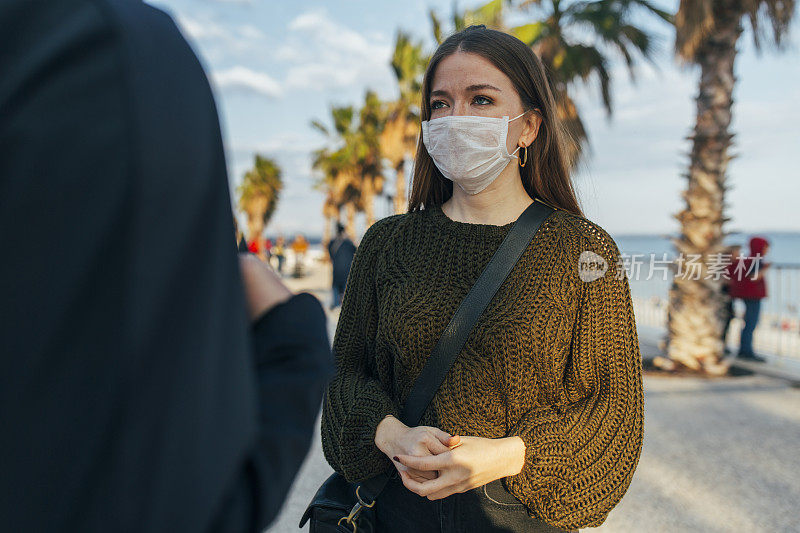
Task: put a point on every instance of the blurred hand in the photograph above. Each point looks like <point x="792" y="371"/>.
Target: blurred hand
<point x="263" y="288"/>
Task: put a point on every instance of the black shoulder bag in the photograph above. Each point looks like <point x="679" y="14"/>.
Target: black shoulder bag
<point x="343" y="507"/>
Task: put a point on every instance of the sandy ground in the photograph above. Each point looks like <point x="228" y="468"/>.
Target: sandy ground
<point x="719" y="455"/>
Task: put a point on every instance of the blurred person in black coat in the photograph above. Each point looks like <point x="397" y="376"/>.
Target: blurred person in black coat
<point x="341" y="251"/>
<point x="152" y="380"/>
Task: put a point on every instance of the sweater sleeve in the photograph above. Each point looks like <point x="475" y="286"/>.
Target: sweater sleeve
<point x="581" y="452"/>
<point x="355" y="401"/>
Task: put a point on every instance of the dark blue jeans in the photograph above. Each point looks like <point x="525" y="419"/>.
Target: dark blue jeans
<point x="752" y="309"/>
<point x="487" y="509"/>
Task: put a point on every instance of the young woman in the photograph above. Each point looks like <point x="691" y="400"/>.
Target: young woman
<point x="538" y="425"/>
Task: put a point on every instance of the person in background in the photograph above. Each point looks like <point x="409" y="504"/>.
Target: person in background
<point x="279" y="251"/>
<point x="299" y="247"/>
<point x="152" y="380"/>
<point x="748" y="284"/>
<point x="728" y="312"/>
<point x="268" y="250"/>
<point x="341" y="251"/>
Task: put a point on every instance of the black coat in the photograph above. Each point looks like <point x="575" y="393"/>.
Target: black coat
<point x="135" y="395"/>
<point x="341" y="251"/>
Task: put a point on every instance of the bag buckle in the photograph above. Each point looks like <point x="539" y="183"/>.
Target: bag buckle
<point x="355" y="511"/>
<point x="362" y="502"/>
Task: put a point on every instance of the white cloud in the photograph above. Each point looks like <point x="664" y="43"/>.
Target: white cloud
<point x="199" y="30"/>
<point x="324" y="54"/>
<point x="320" y="75"/>
<point x="251" y="32"/>
<point x="221" y="39"/>
<point x="246" y="80"/>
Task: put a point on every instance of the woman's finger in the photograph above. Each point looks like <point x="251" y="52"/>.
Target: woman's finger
<point x="419" y="475"/>
<point x="429" y="462"/>
<point x="423" y="475"/>
<point x="425" y="487"/>
<point x="444" y="493"/>
<point x="416" y="475"/>
<point x="435" y="446"/>
<point x="411" y="475"/>
<point x="444" y="437"/>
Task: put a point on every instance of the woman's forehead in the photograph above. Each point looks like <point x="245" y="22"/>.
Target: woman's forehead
<point x="461" y="70"/>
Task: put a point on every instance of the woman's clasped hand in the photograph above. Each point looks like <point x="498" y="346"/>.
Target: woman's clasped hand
<point x="434" y="464"/>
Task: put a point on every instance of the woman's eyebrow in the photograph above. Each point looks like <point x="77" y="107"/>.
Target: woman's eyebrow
<point x="482" y="86"/>
<point x="471" y="88"/>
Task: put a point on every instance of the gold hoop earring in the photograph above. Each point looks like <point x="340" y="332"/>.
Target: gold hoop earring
<point x="524" y="156"/>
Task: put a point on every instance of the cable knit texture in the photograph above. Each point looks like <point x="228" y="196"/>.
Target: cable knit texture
<point x="553" y="359"/>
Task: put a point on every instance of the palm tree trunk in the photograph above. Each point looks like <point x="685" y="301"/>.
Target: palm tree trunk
<point x="255" y="209"/>
<point x="694" y="323"/>
<point x="368" y="194"/>
<point x="351" y="219"/>
<point x="400" y="200"/>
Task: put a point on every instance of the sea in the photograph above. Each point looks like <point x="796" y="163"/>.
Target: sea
<point x="784" y="245"/>
<point x="779" y="329"/>
<point x="783" y="280"/>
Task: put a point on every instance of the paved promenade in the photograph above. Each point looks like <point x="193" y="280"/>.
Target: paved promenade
<point x="719" y="455"/>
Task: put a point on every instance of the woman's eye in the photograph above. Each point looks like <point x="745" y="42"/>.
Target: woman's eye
<point x="480" y="100"/>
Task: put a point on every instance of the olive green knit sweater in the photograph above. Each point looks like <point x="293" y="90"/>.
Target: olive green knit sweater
<point x="553" y="359"/>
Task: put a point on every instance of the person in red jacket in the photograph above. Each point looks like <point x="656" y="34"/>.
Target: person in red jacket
<point x="748" y="284"/>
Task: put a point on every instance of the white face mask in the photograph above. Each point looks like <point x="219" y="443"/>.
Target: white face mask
<point x="467" y="149"/>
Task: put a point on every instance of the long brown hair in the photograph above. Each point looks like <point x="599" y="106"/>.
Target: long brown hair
<point x="546" y="175"/>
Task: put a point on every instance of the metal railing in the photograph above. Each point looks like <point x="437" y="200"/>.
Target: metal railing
<point x="778" y="329"/>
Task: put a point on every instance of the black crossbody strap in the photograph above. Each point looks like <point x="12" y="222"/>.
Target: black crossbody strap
<point x="472" y="307"/>
<point x="458" y="329"/>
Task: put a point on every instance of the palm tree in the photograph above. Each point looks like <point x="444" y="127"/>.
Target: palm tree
<point x="399" y="137"/>
<point x="490" y="14"/>
<point x="336" y="179"/>
<point x="569" y="61"/>
<point x="366" y="145"/>
<point x="258" y="194"/>
<point x="353" y="170"/>
<point x="707" y="33"/>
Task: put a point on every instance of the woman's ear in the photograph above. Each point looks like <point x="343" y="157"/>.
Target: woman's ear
<point x="531" y="130"/>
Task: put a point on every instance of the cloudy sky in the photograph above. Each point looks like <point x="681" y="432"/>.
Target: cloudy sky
<point x="276" y="66"/>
